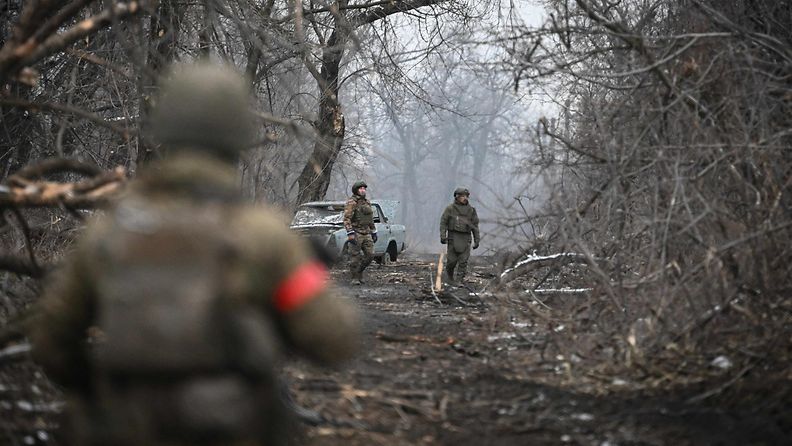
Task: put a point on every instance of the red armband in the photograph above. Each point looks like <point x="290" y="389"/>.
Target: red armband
<point x="302" y="285"/>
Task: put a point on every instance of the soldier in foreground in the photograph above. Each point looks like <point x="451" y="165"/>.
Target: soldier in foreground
<point x="458" y="222"/>
<point x="188" y="294"/>
<point x="361" y="231"/>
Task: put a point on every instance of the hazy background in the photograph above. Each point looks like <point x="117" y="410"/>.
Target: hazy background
<point x="453" y="119"/>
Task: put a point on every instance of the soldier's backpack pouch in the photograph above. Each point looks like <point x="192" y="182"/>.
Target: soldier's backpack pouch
<point x="163" y="306"/>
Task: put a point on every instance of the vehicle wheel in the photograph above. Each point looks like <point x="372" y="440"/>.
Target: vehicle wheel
<point x="392" y="253"/>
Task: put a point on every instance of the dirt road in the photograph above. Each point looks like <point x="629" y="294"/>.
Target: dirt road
<point x="467" y="372"/>
<point x="450" y="374"/>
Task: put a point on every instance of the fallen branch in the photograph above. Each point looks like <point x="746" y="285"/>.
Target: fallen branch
<point x="87" y="194"/>
<point x="21" y="266"/>
<point x="537" y="311"/>
<point x="721" y="388"/>
<point x="705" y="318"/>
<point x="24" y="190"/>
<point x="451" y="294"/>
<point x="533" y="261"/>
<point x="412" y="338"/>
<point x="560" y="290"/>
<point x="15" y="353"/>
<point x="53" y="407"/>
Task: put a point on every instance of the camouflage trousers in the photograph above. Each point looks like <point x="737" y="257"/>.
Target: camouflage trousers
<point x="361" y="253"/>
<point x="457" y="256"/>
<point x="176" y="414"/>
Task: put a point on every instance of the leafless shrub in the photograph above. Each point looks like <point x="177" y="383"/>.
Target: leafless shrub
<point x="671" y="155"/>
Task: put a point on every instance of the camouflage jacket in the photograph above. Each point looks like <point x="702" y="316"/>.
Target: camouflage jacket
<point x="359" y="216"/>
<point x="273" y="272"/>
<point x="459" y="218"/>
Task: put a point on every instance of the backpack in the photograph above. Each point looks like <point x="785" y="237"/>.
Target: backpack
<point x="171" y="296"/>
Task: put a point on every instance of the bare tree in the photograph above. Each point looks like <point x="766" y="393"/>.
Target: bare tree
<point x="78" y="77"/>
<point x="330" y="125"/>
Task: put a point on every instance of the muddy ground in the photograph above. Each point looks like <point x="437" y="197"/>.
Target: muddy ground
<point x="457" y="370"/>
<point x="478" y="374"/>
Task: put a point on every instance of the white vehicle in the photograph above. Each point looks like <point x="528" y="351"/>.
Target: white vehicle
<point x="324" y="221"/>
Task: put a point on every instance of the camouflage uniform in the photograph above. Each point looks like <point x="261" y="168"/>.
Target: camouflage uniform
<point x="457" y="224"/>
<point x="187" y="296"/>
<point x="359" y="224"/>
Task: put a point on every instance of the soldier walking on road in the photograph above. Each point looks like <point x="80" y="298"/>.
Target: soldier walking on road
<point x="361" y="231"/>
<point x="187" y="294"/>
<point x="458" y="222"/>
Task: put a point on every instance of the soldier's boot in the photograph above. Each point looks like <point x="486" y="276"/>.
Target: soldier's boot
<point x="356" y="276"/>
<point x="459" y="277"/>
<point x="449" y="277"/>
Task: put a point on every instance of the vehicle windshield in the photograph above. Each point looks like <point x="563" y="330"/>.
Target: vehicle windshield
<point x="311" y="215"/>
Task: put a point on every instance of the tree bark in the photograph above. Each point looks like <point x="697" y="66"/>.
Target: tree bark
<point x="315" y="176"/>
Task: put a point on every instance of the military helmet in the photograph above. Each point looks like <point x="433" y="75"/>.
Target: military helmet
<point x="358" y="185"/>
<point x="203" y="107"/>
<point x="461" y="191"/>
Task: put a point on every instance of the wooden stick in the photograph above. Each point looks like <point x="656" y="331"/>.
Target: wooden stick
<point x="439" y="278"/>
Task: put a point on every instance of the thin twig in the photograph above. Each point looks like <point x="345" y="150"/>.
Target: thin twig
<point x="721" y="388"/>
<point x="26" y="233"/>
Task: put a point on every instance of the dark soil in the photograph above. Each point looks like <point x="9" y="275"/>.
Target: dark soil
<point x="461" y="371"/>
<point x="454" y="374"/>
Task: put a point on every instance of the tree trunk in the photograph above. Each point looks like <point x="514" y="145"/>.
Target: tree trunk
<point x="481" y="148"/>
<point x="315" y="176"/>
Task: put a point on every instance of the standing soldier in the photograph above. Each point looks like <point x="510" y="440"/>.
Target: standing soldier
<point x="186" y="293"/>
<point x="361" y="231"/>
<point x="458" y="221"/>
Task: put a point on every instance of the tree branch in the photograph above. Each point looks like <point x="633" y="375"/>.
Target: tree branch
<point x="60" y="108"/>
<point x="392" y="7"/>
<point x="52" y="166"/>
<point x="25" y="51"/>
<point x="86" y="194"/>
